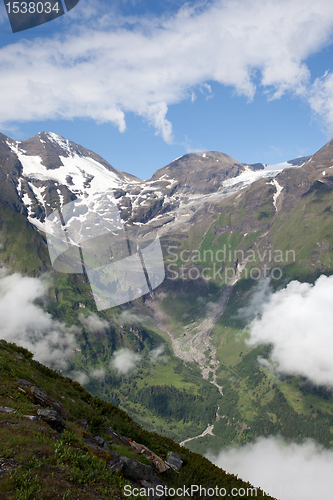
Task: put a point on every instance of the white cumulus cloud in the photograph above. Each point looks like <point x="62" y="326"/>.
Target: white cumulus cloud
<point x="321" y="98"/>
<point x="28" y="325"/>
<point x="298" y="321"/>
<point x="285" y="471"/>
<point x="144" y="65"/>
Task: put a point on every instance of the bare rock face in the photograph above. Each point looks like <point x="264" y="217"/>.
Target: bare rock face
<point x="51" y="148"/>
<point x="157" y="462"/>
<point x="199" y="173"/>
<point x="117" y="437"/>
<point x="140" y="472"/>
<point x="25" y="383"/>
<point x="116" y="464"/>
<point x="96" y="443"/>
<point x="47" y="172"/>
<point x="30" y="169"/>
<point x="53" y="418"/>
<point x="315" y="175"/>
<point x="10" y="171"/>
<point x="7" y="465"/>
<point x="42" y="398"/>
<point x="174" y="460"/>
<point x="130" y="468"/>
<point x="6" y="409"/>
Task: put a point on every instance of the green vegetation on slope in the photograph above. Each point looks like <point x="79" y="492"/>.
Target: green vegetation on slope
<point x="21" y="247"/>
<point x="48" y="464"/>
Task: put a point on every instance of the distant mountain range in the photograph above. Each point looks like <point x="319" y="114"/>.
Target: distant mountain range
<point x="47" y="171"/>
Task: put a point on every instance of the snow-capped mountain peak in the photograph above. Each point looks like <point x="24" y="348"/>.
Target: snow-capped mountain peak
<point x="53" y="171"/>
<point x="42" y="174"/>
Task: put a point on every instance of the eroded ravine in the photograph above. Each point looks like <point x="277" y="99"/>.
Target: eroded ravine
<point x="195" y="341"/>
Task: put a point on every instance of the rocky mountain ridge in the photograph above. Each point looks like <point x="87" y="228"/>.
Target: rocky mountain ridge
<point x="43" y="173"/>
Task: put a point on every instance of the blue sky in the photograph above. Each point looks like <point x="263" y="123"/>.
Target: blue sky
<point x="143" y="82"/>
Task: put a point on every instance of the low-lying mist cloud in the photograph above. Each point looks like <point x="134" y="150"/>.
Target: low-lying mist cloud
<point x="84" y="377"/>
<point x="298" y="321"/>
<point x="93" y="323"/>
<point x="285" y="471"/>
<point x="27" y="325"/>
<point x="255" y="306"/>
<point x="124" y="361"/>
<point x="156" y="355"/>
<point x="79" y="376"/>
<point x="97" y="374"/>
<point x="130" y="318"/>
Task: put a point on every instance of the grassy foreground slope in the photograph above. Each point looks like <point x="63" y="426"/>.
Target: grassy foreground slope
<point x="39" y="462"/>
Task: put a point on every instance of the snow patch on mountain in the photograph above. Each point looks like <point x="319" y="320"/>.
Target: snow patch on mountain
<point x="81" y="175"/>
<point x="27" y="202"/>
<point x="14" y="146"/>
<point x="87" y="175"/>
<point x="57" y="139"/>
<point x="37" y="223"/>
<point x="102" y="178"/>
<point x="279" y="166"/>
<point x="278" y="191"/>
<point x="19" y="187"/>
<point x="38" y="192"/>
<point x="248" y="176"/>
